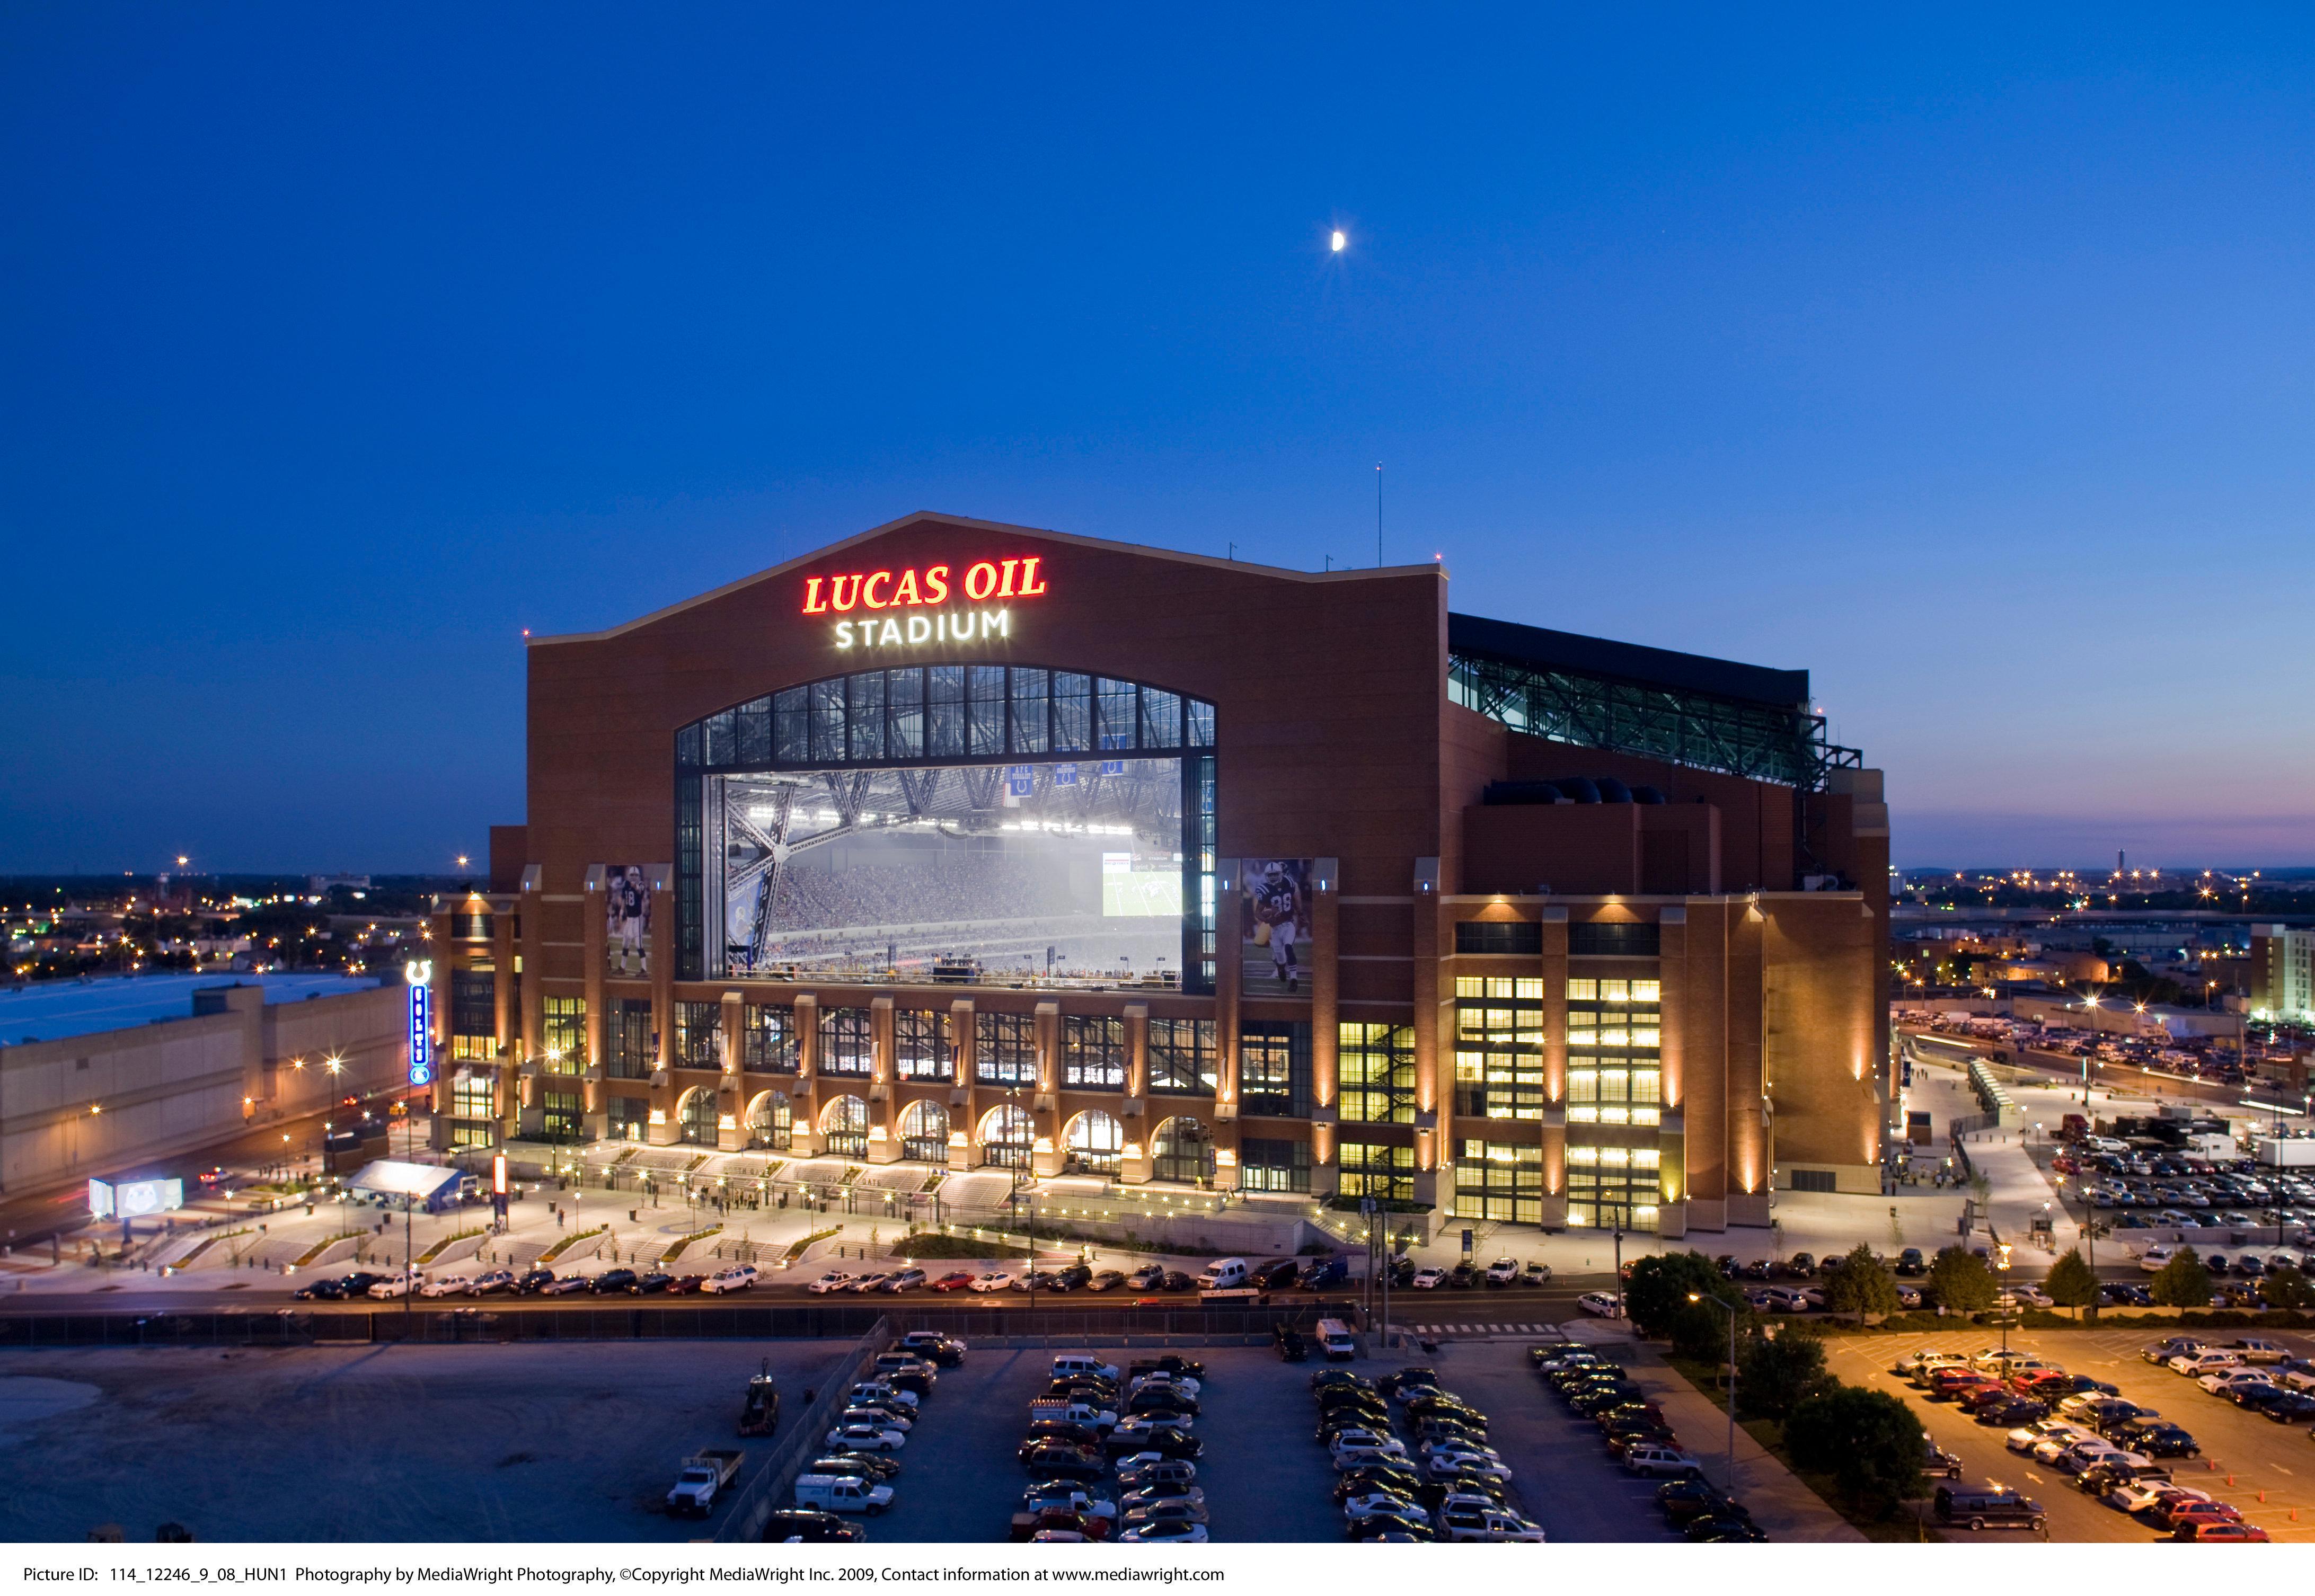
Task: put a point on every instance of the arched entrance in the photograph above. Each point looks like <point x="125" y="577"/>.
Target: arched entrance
<point x="844" y="1128"/>
<point x="771" y="1122"/>
<point x="924" y="1131"/>
<point x="694" y="1116"/>
<point x="1096" y="1143"/>
<point x="1007" y="1136"/>
<point x="1183" y="1150"/>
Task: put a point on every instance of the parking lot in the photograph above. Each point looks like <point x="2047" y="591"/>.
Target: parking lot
<point x="401" y="1443"/>
<point x="1265" y="1478"/>
<point x="2267" y="1470"/>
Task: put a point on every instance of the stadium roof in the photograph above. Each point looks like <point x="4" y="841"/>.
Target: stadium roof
<point x="50" y="1010"/>
<point x="1632" y="662"/>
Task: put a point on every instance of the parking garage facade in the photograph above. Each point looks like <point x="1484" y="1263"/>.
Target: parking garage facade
<point x="973" y="846"/>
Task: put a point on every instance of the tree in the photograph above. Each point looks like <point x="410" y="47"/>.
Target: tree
<point x="2288" y="1287"/>
<point x="1868" y="1441"/>
<point x="2183" y="1283"/>
<point x="1962" y="1281"/>
<point x="1858" y="1285"/>
<point x="2070" y="1283"/>
<point x="1774" y="1375"/>
<point x="1657" y="1297"/>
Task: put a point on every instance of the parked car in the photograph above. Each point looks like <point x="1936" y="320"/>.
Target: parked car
<point x="835" y="1280"/>
<point x="994" y="1279"/>
<point x="614" y="1280"/>
<point x="1600" y="1304"/>
<point x="954" y="1281"/>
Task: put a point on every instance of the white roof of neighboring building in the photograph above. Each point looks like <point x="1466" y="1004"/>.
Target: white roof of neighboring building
<point x="392" y="1177"/>
<point x="50" y="1010"/>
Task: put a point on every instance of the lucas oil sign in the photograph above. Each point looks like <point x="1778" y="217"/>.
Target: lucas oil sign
<point x="917" y="606"/>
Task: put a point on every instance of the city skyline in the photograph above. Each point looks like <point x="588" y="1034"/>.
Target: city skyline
<point x="1964" y="377"/>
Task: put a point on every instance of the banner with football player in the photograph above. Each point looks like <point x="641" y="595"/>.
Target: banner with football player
<point x="626" y="916"/>
<point x="1274" y="919"/>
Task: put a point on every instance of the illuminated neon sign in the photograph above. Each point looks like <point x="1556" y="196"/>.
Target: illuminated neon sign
<point x="419" y="973"/>
<point x="922" y="590"/>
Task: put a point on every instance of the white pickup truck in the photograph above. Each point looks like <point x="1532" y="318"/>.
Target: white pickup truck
<point x="702" y="1476"/>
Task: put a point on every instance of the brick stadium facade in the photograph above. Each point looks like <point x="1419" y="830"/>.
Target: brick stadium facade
<point x="1515" y="924"/>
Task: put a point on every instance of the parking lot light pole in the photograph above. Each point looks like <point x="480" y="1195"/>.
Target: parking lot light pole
<point x="1730" y="1310"/>
<point x="2008" y="1303"/>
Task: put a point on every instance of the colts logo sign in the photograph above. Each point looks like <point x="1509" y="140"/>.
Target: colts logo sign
<point x="924" y="591"/>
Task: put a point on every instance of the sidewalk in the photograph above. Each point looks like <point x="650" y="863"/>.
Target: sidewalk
<point x="1778" y="1502"/>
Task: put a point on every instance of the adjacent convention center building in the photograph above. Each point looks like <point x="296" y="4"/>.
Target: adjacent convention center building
<point x="976" y="845"/>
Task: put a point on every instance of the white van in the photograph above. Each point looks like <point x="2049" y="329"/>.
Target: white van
<point x="1223" y="1274"/>
<point x="1335" y="1341"/>
<point x="2195" y="1365"/>
<point x="842" y="1493"/>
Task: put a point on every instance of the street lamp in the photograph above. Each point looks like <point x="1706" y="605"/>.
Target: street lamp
<point x="2006" y="1302"/>
<point x="1730" y="1310"/>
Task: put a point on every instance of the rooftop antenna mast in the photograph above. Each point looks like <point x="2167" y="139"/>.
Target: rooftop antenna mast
<point x="1378" y="515"/>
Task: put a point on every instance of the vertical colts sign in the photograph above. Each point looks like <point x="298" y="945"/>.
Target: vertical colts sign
<point x="420" y="975"/>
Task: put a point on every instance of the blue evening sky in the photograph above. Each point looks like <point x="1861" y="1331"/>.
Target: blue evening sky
<point x="1962" y="357"/>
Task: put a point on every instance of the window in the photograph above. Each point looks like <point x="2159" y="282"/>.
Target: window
<point x="1495" y="1180"/>
<point x="1007" y="1136"/>
<point x="847" y="1045"/>
<point x="844" y="1123"/>
<point x="1498" y="937"/>
<point x="944" y="710"/>
<point x="627" y="1044"/>
<point x="1072" y="713"/>
<point x="1183" y="1150"/>
<point x="1372" y="1170"/>
<point x="924" y="1131"/>
<point x="695" y="1118"/>
<point x="1271" y="1166"/>
<point x="1613" y="1185"/>
<point x="771" y="1040"/>
<point x="1161" y="719"/>
<point x="1181" y="1056"/>
<point x="1092" y="1052"/>
<point x="1377" y="1065"/>
<point x="1005" y="1049"/>
<point x="919" y="1045"/>
<point x="985" y="708"/>
<point x="1095" y="1144"/>
<point x="1499" y="1047"/>
<point x="474" y="1112"/>
<point x="1611" y="940"/>
<point x="698" y="1035"/>
<point x="904" y="710"/>
<point x="474" y="1007"/>
<point x="564" y="1034"/>
<point x="771" y="1122"/>
<point x="563" y="1115"/>
<point x="628" y="1119"/>
<point x="1814" y="1180"/>
<point x="1614" y="1071"/>
<point x="1273" y="1068"/>
<point x="1031" y="734"/>
<point x="1113" y="709"/>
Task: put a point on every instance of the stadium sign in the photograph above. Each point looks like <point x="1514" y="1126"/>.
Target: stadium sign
<point x="955" y="626"/>
<point x="419" y="975"/>
<point x="922" y="590"/>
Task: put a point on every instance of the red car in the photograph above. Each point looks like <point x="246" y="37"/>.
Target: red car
<point x="952" y="1282"/>
<point x="2201" y="1513"/>
<point x="2218" y="1529"/>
